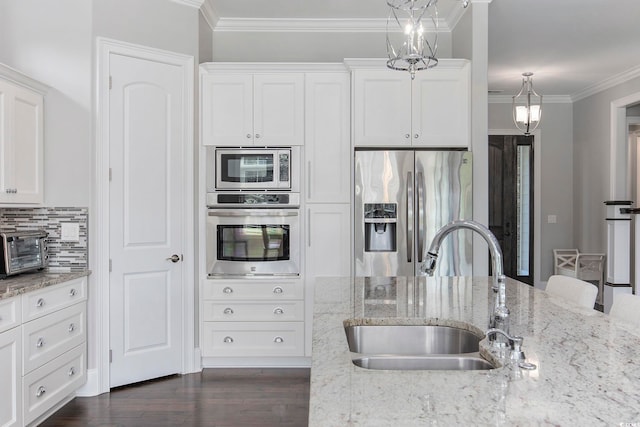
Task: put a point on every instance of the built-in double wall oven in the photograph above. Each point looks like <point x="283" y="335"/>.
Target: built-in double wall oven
<point x="253" y="212"/>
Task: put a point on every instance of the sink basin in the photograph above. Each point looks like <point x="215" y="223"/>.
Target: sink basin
<point x="410" y="339"/>
<point x="437" y="363"/>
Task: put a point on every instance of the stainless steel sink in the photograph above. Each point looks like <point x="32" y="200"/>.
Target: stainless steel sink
<point x="411" y="340"/>
<point x="437" y="363"/>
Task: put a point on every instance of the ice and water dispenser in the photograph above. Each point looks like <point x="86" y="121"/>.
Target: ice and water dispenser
<point x="380" y="226"/>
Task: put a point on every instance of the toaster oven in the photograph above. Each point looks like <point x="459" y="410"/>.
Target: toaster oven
<point x="22" y="251"/>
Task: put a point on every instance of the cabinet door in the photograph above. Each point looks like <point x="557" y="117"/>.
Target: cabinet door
<point x="327" y="144"/>
<point x="21" y="145"/>
<point x="381" y="108"/>
<point x="11" y="378"/>
<point x="278" y="115"/>
<point x="227" y="109"/>
<point x="328" y="240"/>
<point x="441" y="106"/>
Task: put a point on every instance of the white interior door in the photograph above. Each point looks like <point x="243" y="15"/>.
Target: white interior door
<point x="146" y="107"/>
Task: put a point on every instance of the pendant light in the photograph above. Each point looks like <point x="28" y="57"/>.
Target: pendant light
<point x="410" y="46"/>
<point x="527" y="106"/>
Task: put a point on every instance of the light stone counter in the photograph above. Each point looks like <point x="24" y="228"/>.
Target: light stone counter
<point x="27" y="282"/>
<point x="588" y="364"/>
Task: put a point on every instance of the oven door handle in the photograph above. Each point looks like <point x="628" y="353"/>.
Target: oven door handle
<point x="256" y="212"/>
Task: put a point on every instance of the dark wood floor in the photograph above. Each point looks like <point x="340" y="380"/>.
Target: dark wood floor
<point x="214" y="397"/>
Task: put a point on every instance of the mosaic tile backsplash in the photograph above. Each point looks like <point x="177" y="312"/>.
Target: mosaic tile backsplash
<point x="65" y="253"/>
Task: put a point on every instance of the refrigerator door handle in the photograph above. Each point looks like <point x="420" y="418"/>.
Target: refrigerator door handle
<point x="409" y="216"/>
<point x="420" y="216"/>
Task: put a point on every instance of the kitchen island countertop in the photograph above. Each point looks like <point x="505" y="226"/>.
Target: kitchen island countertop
<point x="588" y="365"/>
<point x="28" y="282"/>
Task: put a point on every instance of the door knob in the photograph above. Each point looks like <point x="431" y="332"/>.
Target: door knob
<point x="175" y="258"/>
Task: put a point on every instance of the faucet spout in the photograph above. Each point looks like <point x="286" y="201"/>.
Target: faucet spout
<point x="499" y="316"/>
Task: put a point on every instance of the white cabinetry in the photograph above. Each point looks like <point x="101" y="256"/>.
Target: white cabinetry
<point x="252" y="318"/>
<point x="242" y="108"/>
<point x="43" y="355"/>
<point x="21" y="138"/>
<point x="433" y="110"/>
<point x="10" y="363"/>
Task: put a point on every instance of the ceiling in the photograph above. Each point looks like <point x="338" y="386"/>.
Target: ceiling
<point x="573" y="47"/>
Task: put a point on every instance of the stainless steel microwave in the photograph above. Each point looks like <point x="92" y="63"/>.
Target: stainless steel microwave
<point x="253" y="169"/>
<point x="23" y="251"/>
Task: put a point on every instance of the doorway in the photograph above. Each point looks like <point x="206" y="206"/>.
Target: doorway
<point x="511" y="202"/>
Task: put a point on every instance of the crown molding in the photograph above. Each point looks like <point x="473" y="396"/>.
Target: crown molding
<point x="209" y="14"/>
<point x="282" y="67"/>
<point x="193" y="3"/>
<point x="303" y="25"/>
<point x="607" y="83"/>
<point x="19" y="78"/>
<point x="381" y="63"/>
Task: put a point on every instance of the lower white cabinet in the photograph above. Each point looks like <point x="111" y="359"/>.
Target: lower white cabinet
<point x="252" y="318"/>
<point x="11" y="377"/>
<point x="43" y="354"/>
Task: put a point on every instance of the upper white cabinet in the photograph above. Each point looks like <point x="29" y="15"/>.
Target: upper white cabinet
<point x="327" y="145"/>
<point x="21" y="138"/>
<point x="244" y="108"/>
<point x="433" y="110"/>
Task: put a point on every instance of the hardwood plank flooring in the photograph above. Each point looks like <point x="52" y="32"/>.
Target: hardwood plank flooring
<point x="214" y="397"/>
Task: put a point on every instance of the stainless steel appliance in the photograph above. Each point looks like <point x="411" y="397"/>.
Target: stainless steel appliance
<point x="253" y="234"/>
<point x="262" y="168"/>
<point x="401" y="199"/>
<point x="22" y="251"/>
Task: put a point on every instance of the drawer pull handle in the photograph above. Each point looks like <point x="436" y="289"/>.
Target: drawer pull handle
<point x="41" y="391"/>
<point x="227" y="290"/>
<point x="278" y="311"/>
<point x="72" y="371"/>
<point x="228" y="310"/>
<point x="40" y="343"/>
<point x="40" y="303"/>
<point x="278" y="290"/>
<point x="72" y="292"/>
<point x="228" y="340"/>
<point x="72" y="327"/>
<point x="278" y="340"/>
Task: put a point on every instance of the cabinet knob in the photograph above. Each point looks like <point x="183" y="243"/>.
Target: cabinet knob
<point x="41" y="391"/>
<point x="227" y="290"/>
<point x="228" y="340"/>
<point x="278" y="340"/>
<point x="72" y="292"/>
<point x="278" y="290"/>
<point x="406" y="135"/>
<point x="278" y="310"/>
<point x="228" y="310"/>
<point x="40" y="343"/>
<point x="248" y="136"/>
<point x="72" y="371"/>
<point x="416" y="136"/>
<point x="72" y="327"/>
<point x="40" y="303"/>
<point x="257" y="135"/>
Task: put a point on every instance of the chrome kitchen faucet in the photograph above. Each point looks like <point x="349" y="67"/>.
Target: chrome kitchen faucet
<point x="499" y="314"/>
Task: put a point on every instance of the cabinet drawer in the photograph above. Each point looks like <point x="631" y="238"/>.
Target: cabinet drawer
<point x="10" y="313"/>
<point x="38" y="303"/>
<point x="46" y="386"/>
<point x="280" y="311"/>
<point x="223" y="339"/>
<point x="271" y="290"/>
<point x="48" y="337"/>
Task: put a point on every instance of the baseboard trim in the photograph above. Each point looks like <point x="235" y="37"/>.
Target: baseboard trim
<point x="256" y="362"/>
<point x="91" y="387"/>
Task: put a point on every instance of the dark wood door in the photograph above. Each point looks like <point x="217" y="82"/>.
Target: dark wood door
<point x="511" y="202"/>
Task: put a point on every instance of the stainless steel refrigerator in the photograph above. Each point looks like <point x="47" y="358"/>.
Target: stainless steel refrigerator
<point x="402" y="197"/>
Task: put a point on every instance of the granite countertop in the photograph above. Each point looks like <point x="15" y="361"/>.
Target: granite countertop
<point x="588" y="365"/>
<point x="27" y="282"/>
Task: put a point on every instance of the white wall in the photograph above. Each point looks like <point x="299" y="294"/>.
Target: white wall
<point x="592" y="139"/>
<point x="51" y="42"/>
<point x="556" y="180"/>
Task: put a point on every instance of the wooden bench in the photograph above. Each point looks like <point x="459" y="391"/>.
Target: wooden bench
<point x="583" y="266"/>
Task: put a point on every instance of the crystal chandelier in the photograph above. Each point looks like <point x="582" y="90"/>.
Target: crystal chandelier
<point x="527" y="106"/>
<point x="409" y="46"/>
